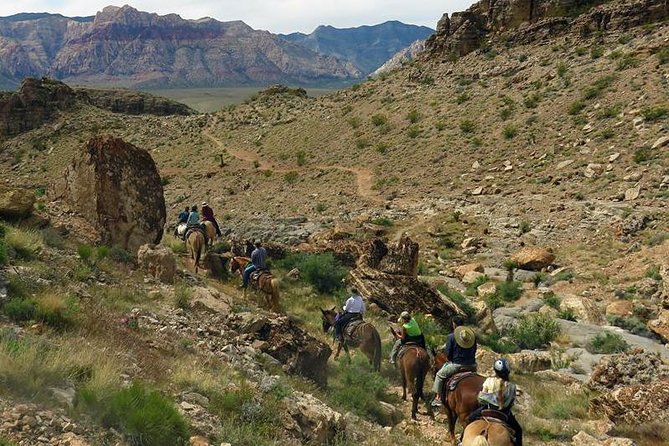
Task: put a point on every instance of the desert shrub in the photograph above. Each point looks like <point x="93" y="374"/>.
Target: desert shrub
<point x="533" y="331"/>
<point x="413" y="131"/>
<point x="627" y="61"/>
<point x="551" y="300"/>
<point x="142" y="415"/>
<point x="598" y="87"/>
<point x="652" y="114"/>
<point x="632" y="324"/>
<point x="383" y="221"/>
<point x="360" y="391"/>
<point x="182" y="296"/>
<point x="576" y="107"/>
<point x="322" y="271"/>
<point x="532" y="101"/>
<point x="101" y="252"/>
<point x="56" y="311"/>
<point x="609" y="112"/>
<point x="19" y="310"/>
<point x="467" y="126"/>
<point x="362" y="143"/>
<point x="25" y="243"/>
<point x="291" y="177"/>
<point x="510" y="131"/>
<point x="320" y="207"/>
<point x="120" y="255"/>
<point x="564" y="276"/>
<point x="657" y="239"/>
<point x="413" y="116"/>
<point x="382" y="148"/>
<point x="559" y="405"/>
<point x="462" y="97"/>
<point x="567" y="314"/>
<point x="497" y="343"/>
<point x="85" y="252"/>
<point x="608" y="343"/>
<point x="301" y="157"/>
<point x="435" y="334"/>
<point x="379" y="119"/>
<point x="509" y="291"/>
<point x="653" y="272"/>
<point x="643" y="155"/>
<point x="461" y="301"/>
<point x="440" y="125"/>
<point x="175" y="244"/>
<point x="354" y="122"/>
<point x="663" y="55"/>
<point x="561" y="69"/>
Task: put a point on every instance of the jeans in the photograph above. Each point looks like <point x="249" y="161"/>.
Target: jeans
<point x="247" y="274"/>
<point x="418" y="340"/>
<point x="447" y="370"/>
<point x="343" y="320"/>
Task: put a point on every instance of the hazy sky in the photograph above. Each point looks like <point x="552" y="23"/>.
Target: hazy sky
<point x="279" y="16"/>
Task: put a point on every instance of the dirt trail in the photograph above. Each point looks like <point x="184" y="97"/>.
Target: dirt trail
<point x="433" y="430"/>
<point x="364" y="177"/>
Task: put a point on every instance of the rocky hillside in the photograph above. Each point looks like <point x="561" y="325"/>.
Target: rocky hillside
<point x="127" y="47"/>
<point x="522" y="184"/>
<point x="367" y="47"/>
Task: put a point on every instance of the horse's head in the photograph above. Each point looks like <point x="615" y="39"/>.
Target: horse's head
<point x="329" y="318"/>
<point x="235" y="265"/>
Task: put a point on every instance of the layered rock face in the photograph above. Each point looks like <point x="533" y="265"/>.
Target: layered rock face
<point x="116" y="187"/>
<point x="386" y="276"/>
<point x="35" y="103"/>
<point x="127" y="47"/>
<point x="466" y="31"/>
<point x="132" y="102"/>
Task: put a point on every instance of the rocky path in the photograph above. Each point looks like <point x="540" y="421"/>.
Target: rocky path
<point x="364" y="177"/>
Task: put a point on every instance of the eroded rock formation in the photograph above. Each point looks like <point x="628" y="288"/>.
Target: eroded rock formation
<point x="386" y="275"/>
<point x="116" y="187"/>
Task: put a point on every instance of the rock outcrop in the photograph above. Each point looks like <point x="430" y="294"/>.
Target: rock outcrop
<point x="526" y="21"/>
<point x="386" y="276"/>
<point x="635" y="404"/>
<point x="158" y="261"/>
<point x="34" y="104"/>
<point x="625" y="369"/>
<point x="312" y="420"/>
<point x="132" y="102"/>
<point x="16" y="203"/>
<point x="660" y="326"/>
<point x="116" y="187"/>
<point x="400" y="58"/>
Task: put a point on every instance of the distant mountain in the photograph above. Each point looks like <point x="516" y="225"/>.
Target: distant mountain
<point x="127" y="47"/>
<point x="367" y="47"/>
<point x="401" y="57"/>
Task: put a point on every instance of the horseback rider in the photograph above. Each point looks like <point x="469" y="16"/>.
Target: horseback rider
<point x="193" y="217"/>
<point x="460" y="351"/>
<point x="354" y="308"/>
<point x="258" y="263"/>
<point x="499" y="394"/>
<point x="183" y="216"/>
<point x="208" y="215"/>
<point x="409" y="332"/>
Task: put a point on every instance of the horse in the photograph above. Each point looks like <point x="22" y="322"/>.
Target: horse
<point x="196" y="246"/>
<point x="210" y="230"/>
<point x="462" y="401"/>
<point x="486" y="433"/>
<point x="414" y="365"/>
<point x="367" y="338"/>
<point x="267" y="283"/>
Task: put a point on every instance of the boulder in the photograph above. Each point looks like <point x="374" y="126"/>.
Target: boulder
<point x="16" y="203"/>
<point x="298" y="351"/>
<point x="462" y="270"/>
<point x="583" y="307"/>
<point x="212" y="299"/>
<point x="471" y="277"/>
<point x="620" y="308"/>
<point x="487" y="289"/>
<point x="395" y="292"/>
<point x="660" y="326"/>
<point x="311" y="420"/>
<point x="636" y="367"/>
<point x="530" y="361"/>
<point x="198" y="441"/>
<point x="216" y="264"/>
<point x="533" y="258"/>
<point x="584" y="439"/>
<point x="660" y="142"/>
<point x="632" y="193"/>
<point x="158" y="261"/>
<point x="634" y="405"/>
<point x="116" y="187"/>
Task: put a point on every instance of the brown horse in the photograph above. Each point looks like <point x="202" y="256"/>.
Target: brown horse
<point x="486" y="433"/>
<point x="414" y="365"/>
<point x="462" y="401"/>
<point x="267" y="283"/>
<point x="365" y="335"/>
<point x="210" y="230"/>
<point x="196" y="246"/>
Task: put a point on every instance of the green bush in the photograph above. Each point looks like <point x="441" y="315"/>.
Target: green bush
<point x="413" y="116"/>
<point x="435" y="334"/>
<point x="663" y="55"/>
<point x="608" y="343"/>
<point x="461" y="301"/>
<point x="413" y="131"/>
<point x="653" y="272"/>
<point x="379" y="119"/>
<point x="56" y="311"/>
<point x="632" y="324"/>
<point x="26" y="244"/>
<point x="472" y="287"/>
<point x="101" y="252"/>
<point x="291" y="177"/>
<point x="509" y="291"/>
<point x="182" y="296"/>
<point x="533" y="331"/>
<point x="462" y="97"/>
<point x="19" y="310"/>
<point x="510" y="131"/>
<point x="322" y="271"/>
<point x="383" y="221"/>
<point x="551" y="300"/>
<point x="143" y="416"/>
<point x="4" y="256"/>
<point x="642" y="155"/>
<point x="652" y="114"/>
<point x="567" y="314"/>
<point x="576" y="107"/>
<point x="301" y="157"/>
<point x="120" y="255"/>
<point x="467" y="126"/>
<point x="564" y="276"/>
<point x="85" y="252"/>
<point x="497" y="343"/>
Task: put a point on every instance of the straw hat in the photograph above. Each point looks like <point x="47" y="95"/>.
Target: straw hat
<point x="464" y="337"/>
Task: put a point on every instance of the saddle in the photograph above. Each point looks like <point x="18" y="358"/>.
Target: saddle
<point x="464" y="372"/>
<point x="496" y="416"/>
<point x="408" y="346"/>
<point x="350" y="330"/>
<point x="191" y="229"/>
<point x="257" y="274"/>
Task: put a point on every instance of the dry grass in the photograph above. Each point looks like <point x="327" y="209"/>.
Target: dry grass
<point x="25" y="243"/>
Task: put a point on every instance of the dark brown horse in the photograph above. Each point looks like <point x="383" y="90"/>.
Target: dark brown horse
<point x="364" y="337"/>
<point x="414" y="365"/>
<point x="266" y="283"/>
<point x="462" y="401"/>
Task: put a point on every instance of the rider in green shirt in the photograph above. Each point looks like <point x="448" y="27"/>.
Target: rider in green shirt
<point x="409" y="332"/>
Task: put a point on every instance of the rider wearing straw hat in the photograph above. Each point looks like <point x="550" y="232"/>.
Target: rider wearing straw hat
<point x="460" y="350"/>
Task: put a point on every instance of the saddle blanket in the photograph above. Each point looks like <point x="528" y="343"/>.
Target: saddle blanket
<point x="351" y="327"/>
<point x="454" y="380"/>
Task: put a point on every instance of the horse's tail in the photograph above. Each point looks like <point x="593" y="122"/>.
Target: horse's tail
<point x="274" y="284"/>
<point x="424" y="360"/>
<point x="480" y="441"/>
<point x="376" y="339"/>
